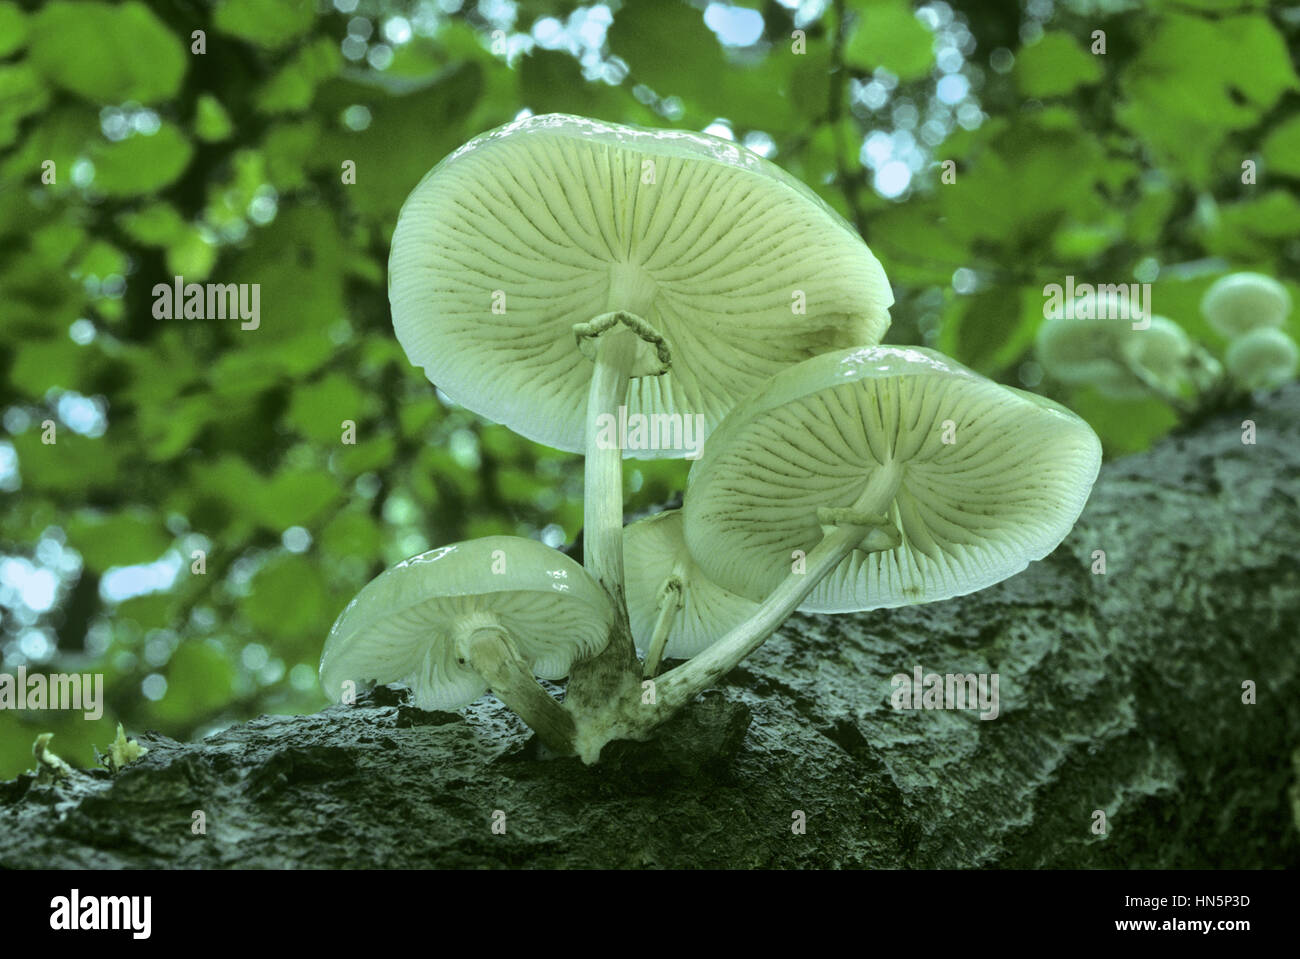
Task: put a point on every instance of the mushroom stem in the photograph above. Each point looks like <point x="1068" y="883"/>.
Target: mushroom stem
<point x="849" y="528"/>
<point x="1153" y="383"/>
<point x="670" y="601"/>
<point x="619" y="337"/>
<point x="493" y="656"/>
<point x="1206" y="372"/>
<point x="602" y="535"/>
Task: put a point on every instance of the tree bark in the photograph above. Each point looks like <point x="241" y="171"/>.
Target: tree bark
<point x="1119" y="692"/>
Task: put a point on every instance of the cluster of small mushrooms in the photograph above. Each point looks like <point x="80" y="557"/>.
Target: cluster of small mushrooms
<point x="558" y="268"/>
<point x="1128" y="360"/>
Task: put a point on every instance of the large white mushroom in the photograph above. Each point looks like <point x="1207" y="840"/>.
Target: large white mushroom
<point x="877" y="477"/>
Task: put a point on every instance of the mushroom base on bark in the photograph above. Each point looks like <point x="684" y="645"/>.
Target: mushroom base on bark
<point x="644" y="706"/>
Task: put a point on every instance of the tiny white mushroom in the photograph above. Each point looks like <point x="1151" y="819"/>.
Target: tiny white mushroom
<point x="1240" y="302"/>
<point x="1262" y="358"/>
<point x="1121" y="362"/>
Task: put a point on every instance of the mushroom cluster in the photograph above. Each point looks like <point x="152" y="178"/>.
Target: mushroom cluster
<point x="1125" y="360"/>
<point x="560" y="274"/>
<point x="1250" y="309"/>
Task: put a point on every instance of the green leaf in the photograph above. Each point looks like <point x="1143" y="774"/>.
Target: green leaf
<point x="43" y="364"/>
<point x="21" y="94"/>
<point x="141" y="165"/>
<point x="294" y="497"/>
<point x="1281" y="149"/>
<point x="1254" y="229"/>
<point x="266" y="23"/>
<point x="407" y="136"/>
<point x="191" y="255"/>
<point x="552" y="82"/>
<point x="107" y="53"/>
<point x="353" y="533"/>
<point x="317" y="410"/>
<point x="288" y="598"/>
<point x="294" y="86"/>
<point x="668" y="48"/>
<point x="212" y="123"/>
<point x="992" y="329"/>
<point x="1022" y="188"/>
<point x="287" y="149"/>
<point x="1195" y="80"/>
<point x="168" y="430"/>
<point x="156" y="224"/>
<point x="1125" y="426"/>
<point x="1054" y="66"/>
<point x="200" y="680"/>
<point x="150" y="611"/>
<point x="373" y="454"/>
<point x="76" y="465"/>
<point x="133" y="535"/>
<point x="887" y="34"/>
<point x="13" y="27"/>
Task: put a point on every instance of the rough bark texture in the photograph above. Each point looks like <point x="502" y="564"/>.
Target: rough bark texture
<point x="1120" y="692"/>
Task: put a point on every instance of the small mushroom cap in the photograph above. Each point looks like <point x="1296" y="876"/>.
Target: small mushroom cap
<point x="556" y="220"/>
<point x="1262" y="358"/>
<point x="1240" y="302"/>
<point x="970" y="513"/>
<point x="402" y="626"/>
<point x="1086" y="352"/>
<point x="654" y="549"/>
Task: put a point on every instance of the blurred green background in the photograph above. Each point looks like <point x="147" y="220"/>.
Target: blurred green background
<point x="175" y="436"/>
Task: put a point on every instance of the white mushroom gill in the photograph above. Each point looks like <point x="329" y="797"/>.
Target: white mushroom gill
<point x="977" y="479"/>
<point x="553" y="221"/>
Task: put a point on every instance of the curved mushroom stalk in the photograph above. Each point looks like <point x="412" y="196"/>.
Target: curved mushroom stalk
<point x="675" y="610"/>
<point x="849" y="530"/>
<point x="671" y="600"/>
<point x="1206" y="372"/>
<point x="1153" y="383"/>
<point x="622" y="346"/>
<point x="488" y="650"/>
<point x="951" y="483"/>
